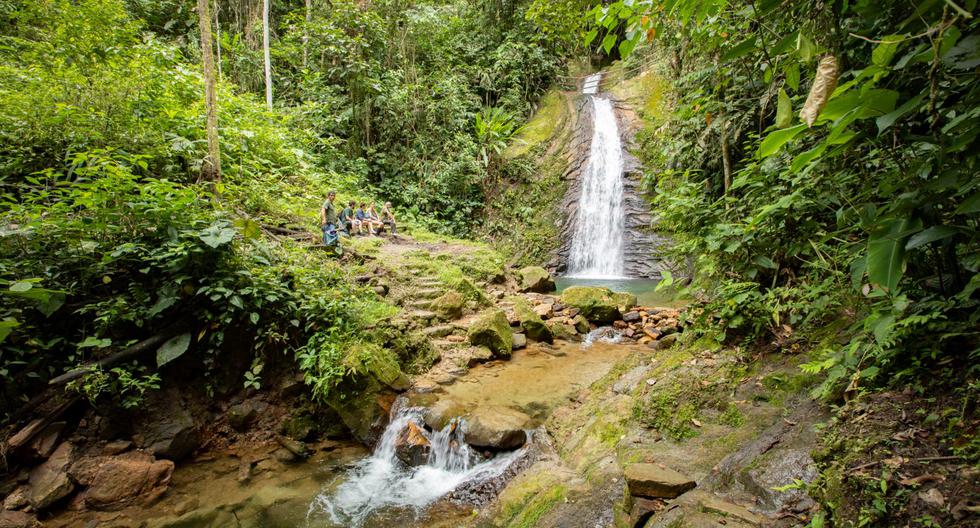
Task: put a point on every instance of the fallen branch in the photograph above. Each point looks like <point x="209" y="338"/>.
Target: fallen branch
<point x="923" y="459"/>
<point x="145" y="345"/>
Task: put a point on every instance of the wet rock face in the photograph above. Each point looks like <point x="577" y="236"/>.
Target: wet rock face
<point x="439" y="414"/>
<point x="49" y="482"/>
<point x="492" y="330"/>
<point x="111" y="481"/>
<point x="17" y="519"/>
<point x="655" y="482"/>
<point x="535" y="279"/>
<point x="496" y="428"/>
<point x="412" y="447"/>
<point x="781" y="467"/>
<point x="170" y="431"/>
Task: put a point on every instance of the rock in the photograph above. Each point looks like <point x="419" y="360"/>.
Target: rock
<point x="581" y="324"/>
<point x="449" y="306"/>
<point x="411" y="446"/>
<point x="534" y="326"/>
<point x="598" y="305"/>
<point x="438" y="331"/>
<point x="300" y="427"/>
<point x="520" y="341"/>
<point x="112" y="481"/>
<point x="726" y="509"/>
<point x="170" y="431"/>
<point x="244" y="470"/>
<point x="642" y="509"/>
<point x="242" y="415"/>
<point x="655" y="482"/>
<point x="43" y="443"/>
<point x="18" y="499"/>
<point x="50" y="482"/>
<point x="17" y="519"/>
<point x="631" y="379"/>
<point x="535" y="279"/>
<point x="294" y="446"/>
<point x="496" y="427"/>
<point x="443" y="412"/>
<point x="562" y="330"/>
<point x="544" y="310"/>
<point x="780" y="467"/>
<point x="115" y="447"/>
<point x="284" y="455"/>
<point x="492" y="330"/>
<point x="631" y="317"/>
<point x="620" y="325"/>
<point x="476" y="355"/>
<point x="292" y="386"/>
<point x="381" y="289"/>
<point x="665" y="342"/>
<point x="933" y="497"/>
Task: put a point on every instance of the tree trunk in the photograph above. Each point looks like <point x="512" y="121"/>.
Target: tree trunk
<point x="726" y="158"/>
<point x="265" y="50"/>
<point x="306" y="31"/>
<point x="217" y="34"/>
<point x="211" y="168"/>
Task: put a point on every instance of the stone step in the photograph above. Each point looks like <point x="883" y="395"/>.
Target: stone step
<point x="429" y="293"/>
<point x="419" y="304"/>
<point x="439" y="331"/>
<point x="420" y="315"/>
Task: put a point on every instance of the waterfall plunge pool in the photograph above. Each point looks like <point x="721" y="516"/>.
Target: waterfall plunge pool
<point x="644" y="289"/>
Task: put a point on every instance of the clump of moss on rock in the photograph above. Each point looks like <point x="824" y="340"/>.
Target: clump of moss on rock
<point x="492" y="330"/>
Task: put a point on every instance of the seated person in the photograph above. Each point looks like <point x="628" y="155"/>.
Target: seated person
<point x="388" y="218"/>
<point x="375" y="220"/>
<point x="347" y="219"/>
<point x="361" y="221"/>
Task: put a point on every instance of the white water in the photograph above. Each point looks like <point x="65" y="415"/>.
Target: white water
<point x="597" y="242"/>
<point x="383" y="481"/>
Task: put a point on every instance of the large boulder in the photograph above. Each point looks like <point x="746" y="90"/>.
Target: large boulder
<point x="170" y="431"/>
<point x="535" y="279"/>
<point x="496" y="428"/>
<point x="775" y="470"/>
<point x="50" y="482"/>
<point x="443" y="412"/>
<point x="449" y="306"/>
<point x="492" y="330"/>
<point x="655" y="482"/>
<point x="112" y="481"/>
<point x="598" y="305"/>
<point x="534" y="325"/>
<point x="411" y="446"/>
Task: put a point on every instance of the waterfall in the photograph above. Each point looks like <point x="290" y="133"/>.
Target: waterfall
<point x="596" y="250"/>
<point x="382" y="481"/>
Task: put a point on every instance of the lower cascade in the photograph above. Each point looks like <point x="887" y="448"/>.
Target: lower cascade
<point x="383" y="481"/>
<point x="597" y="243"/>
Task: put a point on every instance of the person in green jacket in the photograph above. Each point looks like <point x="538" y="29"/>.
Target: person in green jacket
<point x="328" y="215"/>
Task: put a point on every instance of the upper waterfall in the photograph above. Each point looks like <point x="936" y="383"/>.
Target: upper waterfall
<point x="597" y="243"/>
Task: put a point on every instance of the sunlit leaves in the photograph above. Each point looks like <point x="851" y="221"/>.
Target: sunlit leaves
<point x="775" y="140"/>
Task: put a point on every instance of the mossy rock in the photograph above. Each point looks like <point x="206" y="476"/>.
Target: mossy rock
<point x="535" y="279"/>
<point x="449" y="306"/>
<point x="372" y="360"/>
<point x="492" y="330"/>
<point x="561" y="330"/>
<point x="581" y="324"/>
<point x="534" y="325"/>
<point x="301" y="427"/>
<point x="598" y="305"/>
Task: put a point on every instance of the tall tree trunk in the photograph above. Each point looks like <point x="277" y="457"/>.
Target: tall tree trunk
<point x="217" y="34"/>
<point x="306" y="31"/>
<point x="265" y="51"/>
<point x="211" y="168"/>
<point x="726" y="157"/>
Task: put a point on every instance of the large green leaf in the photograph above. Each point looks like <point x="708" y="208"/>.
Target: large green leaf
<point x="775" y="140"/>
<point x="173" y="348"/>
<point x="886" y="253"/>
<point x="784" y="110"/>
<point x="217" y="236"/>
<point x="890" y="118"/>
<point x="932" y="234"/>
<point x="885" y="51"/>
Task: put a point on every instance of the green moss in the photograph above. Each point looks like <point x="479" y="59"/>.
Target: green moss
<point x="547" y="121"/>
<point x="492" y="330"/>
<point x="732" y="416"/>
<point x="370" y="359"/>
<point x="540" y="504"/>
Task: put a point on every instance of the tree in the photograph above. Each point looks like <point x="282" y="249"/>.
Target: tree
<point x="265" y="51"/>
<point x="306" y="32"/>
<point x="211" y="168"/>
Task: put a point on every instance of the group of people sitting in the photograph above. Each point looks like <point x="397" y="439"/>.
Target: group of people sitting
<point x="356" y="220"/>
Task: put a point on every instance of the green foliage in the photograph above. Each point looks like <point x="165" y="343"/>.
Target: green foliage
<point x="868" y="216"/>
<point x="124" y="387"/>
